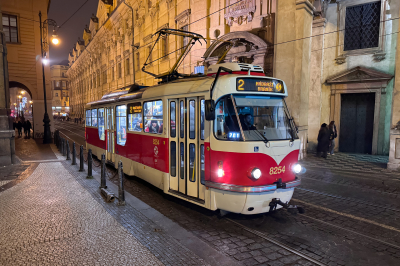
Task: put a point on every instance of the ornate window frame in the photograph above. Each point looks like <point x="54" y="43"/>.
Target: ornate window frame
<point x="378" y="52"/>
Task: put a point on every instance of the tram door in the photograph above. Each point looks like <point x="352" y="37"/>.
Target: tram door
<point x="110" y="135"/>
<point x="184" y="141"/>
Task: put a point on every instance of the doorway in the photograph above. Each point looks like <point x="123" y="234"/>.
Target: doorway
<point x="356" y="122"/>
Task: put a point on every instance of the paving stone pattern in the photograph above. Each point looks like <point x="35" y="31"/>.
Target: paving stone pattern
<point x="220" y="234"/>
<point x="51" y="220"/>
<point x="163" y="246"/>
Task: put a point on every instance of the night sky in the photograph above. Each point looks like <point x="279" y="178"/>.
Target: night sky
<point x="60" y="11"/>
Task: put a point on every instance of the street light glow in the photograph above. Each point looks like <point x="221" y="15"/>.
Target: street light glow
<point x="55" y="40"/>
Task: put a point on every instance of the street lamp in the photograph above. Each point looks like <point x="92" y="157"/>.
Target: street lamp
<point x="44" y="47"/>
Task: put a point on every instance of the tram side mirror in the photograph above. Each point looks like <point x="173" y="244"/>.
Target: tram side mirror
<point x="209" y="106"/>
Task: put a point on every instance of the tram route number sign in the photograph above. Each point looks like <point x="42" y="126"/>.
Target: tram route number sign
<point x="261" y="85"/>
<point x="134" y="108"/>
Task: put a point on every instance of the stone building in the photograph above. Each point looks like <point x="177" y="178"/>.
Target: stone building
<point x="22" y="36"/>
<point x="7" y="134"/>
<point x="337" y="57"/>
<point x="60" y="90"/>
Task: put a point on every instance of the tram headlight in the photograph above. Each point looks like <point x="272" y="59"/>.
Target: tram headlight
<point x="297" y="168"/>
<point x="256" y="173"/>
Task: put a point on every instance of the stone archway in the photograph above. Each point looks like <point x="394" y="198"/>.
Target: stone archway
<point x="247" y="48"/>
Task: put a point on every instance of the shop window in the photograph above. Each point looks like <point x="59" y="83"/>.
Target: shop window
<point x="121" y="124"/>
<point x="135" y="122"/>
<point x="88" y="118"/>
<point x="94" y="117"/>
<point x="10" y="28"/>
<point x="102" y="135"/>
<point x="153" y="117"/>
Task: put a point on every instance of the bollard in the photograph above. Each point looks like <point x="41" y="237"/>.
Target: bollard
<point x="89" y="164"/>
<point x="81" y="168"/>
<point x="73" y="154"/>
<point x="103" y="171"/>
<point x="68" y="151"/>
<point x="63" y="146"/>
<point x="121" y="192"/>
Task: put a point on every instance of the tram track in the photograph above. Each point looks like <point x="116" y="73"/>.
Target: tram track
<point x="275" y="242"/>
<point x="349" y="199"/>
<point x="393" y="194"/>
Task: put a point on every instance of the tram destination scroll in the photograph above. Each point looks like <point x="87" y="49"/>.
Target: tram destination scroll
<point x="134" y="108"/>
<point x="260" y="85"/>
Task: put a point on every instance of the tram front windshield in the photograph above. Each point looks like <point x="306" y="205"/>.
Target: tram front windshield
<point x="260" y="118"/>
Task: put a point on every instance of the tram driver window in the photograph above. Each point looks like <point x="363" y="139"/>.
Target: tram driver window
<point x="153" y="117"/>
<point x="121" y="124"/>
<point x="100" y="121"/>
<point x="94" y="117"/>
<point x="88" y="118"/>
<point x="135" y="122"/>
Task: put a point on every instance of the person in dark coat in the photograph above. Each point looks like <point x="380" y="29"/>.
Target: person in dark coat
<point x="323" y="141"/>
<point x="28" y="128"/>
<point x="332" y="136"/>
<point x="24" y="127"/>
<point x="19" y="127"/>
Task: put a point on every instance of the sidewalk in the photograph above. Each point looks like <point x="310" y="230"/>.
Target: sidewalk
<point x="53" y="215"/>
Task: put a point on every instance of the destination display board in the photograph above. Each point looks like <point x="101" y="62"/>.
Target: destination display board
<point x="261" y="85"/>
<point x="134" y="108"/>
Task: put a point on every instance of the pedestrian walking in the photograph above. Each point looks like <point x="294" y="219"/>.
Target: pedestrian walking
<point x="323" y="141"/>
<point x="332" y="137"/>
<point x="28" y="128"/>
<point x="24" y="128"/>
<point x="19" y="127"/>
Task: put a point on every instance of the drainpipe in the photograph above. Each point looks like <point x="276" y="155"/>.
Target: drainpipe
<point x="133" y="44"/>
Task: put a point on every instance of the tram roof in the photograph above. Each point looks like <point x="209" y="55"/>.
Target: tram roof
<point x="176" y="87"/>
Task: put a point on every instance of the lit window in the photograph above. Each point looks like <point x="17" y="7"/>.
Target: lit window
<point x="135" y="122"/>
<point x="121" y="124"/>
<point x="10" y="28"/>
<point x="101" y="124"/>
<point x="94" y="118"/>
<point x="153" y="117"/>
<point x="88" y="118"/>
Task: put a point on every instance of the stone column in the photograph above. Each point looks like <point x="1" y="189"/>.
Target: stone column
<point x="317" y="64"/>
<point x="7" y="135"/>
<point x="292" y="59"/>
<point x="394" y="152"/>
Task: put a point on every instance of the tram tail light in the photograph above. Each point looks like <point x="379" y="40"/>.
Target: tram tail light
<point x="220" y="171"/>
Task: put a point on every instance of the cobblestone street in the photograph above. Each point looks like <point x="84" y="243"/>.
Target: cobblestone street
<point x="61" y="218"/>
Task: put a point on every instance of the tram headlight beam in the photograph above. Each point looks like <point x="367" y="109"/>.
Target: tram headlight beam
<point x="297" y="168"/>
<point x="256" y="173"/>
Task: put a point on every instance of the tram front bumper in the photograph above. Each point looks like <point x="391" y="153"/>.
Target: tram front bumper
<point x="250" y="200"/>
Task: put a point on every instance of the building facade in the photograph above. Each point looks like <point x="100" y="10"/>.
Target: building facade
<point x="7" y="134"/>
<point x="60" y="90"/>
<point x="22" y="35"/>
<point x="337" y="58"/>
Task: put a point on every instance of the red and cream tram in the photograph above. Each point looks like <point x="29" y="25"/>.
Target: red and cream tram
<point x="222" y="141"/>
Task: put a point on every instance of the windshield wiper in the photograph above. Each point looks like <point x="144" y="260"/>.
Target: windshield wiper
<point x="265" y="140"/>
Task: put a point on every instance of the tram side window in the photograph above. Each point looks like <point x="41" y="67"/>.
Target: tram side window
<point x="135" y="122"/>
<point x="153" y="117"/>
<point x="202" y="118"/>
<point x="88" y="118"/>
<point x="94" y="117"/>
<point x="100" y="121"/>
<point x="121" y="124"/>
